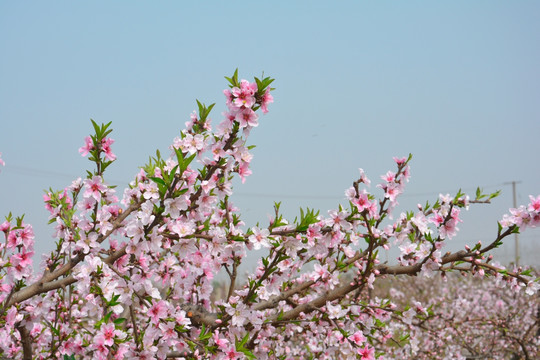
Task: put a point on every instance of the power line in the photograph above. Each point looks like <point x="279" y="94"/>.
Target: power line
<point x="29" y="171"/>
<point x="330" y="197"/>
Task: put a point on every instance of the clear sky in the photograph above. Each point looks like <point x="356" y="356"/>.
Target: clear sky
<point x="455" y="83"/>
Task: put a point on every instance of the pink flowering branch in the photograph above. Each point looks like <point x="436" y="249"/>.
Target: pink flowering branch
<point x="135" y="277"/>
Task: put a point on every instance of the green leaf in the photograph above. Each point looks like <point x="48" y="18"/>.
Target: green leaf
<point x="204" y="335"/>
<point x="495" y="194"/>
<point x="280" y="315"/>
<point x="248" y="353"/>
<point x="234" y="79"/>
<point x="119" y="320"/>
<point x="458" y="195"/>
<point x="179" y="157"/>
<point x="526" y="272"/>
<point x="114" y="300"/>
<point x="157" y="180"/>
<point x="55" y="331"/>
<point x="243" y="341"/>
<point x="186" y="163"/>
<point x="96" y="128"/>
<point x="307" y="218"/>
<point x="107" y="317"/>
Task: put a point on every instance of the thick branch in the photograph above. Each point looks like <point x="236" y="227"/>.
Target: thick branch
<point x="26" y="342"/>
<point x="337" y="293"/>
<point x="49" y="281"/>
<point x="414" y="269"/>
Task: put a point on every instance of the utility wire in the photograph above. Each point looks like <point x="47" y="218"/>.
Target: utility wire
<point x="305" y="196"/>
<point x="28" y="171"/>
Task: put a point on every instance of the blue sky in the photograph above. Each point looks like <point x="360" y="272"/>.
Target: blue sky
<point x="454" y="83"/>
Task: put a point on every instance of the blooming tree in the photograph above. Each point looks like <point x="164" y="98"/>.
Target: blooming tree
<point x="133" y="277"/>
<point x="457" y="317"/>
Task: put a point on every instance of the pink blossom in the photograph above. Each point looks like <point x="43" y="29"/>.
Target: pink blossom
<point x="183" y="228"/>
<point x="150" y="192"/>
<point x="350" y="193"/>
<point x="259" y="238"/>
<point x="87" y="242"/>
<point x="167" y="329"/>
<point x="219" y="341"/>
<point x="520" y="216"/>
<point x="182" y="319"/>
<point x="106" y="148"/>
<point x="192" y="144"/>
<point x="392" y="191"/>
<point x="99" y="344"/>
<point x="239" y="314"/>
<point x="18" y="237"/>
<point x="389" y="177"/>
<point x="4" y="227"/>
<point x="173" y="207"/>
<point x="421" y="222"/>
<point x="75" y="185"/>
<point x="363" y="177"/>
<point x="232" y="354"/>
<point x="338" y="220"/>
<point x="436" y="218"/>
<point x="121" y="352"/>
<point x="108" y="333"/>
<point x="400" y="161"/>
<point x="158" y="311"/>
<point x="247" y="117"/>
<point x="36" y="329"/>
<point x="94" y="188"/>
<point x="86" y="204"/>
<point x="429" y="268"/>
<point x="192" y="120"/>
<point x="532" y="287"/>
<point x="535" y="203"/>
<point x="408" y="248"/>
<point x="243" y="96"/>
<point x="373" y="210"/>
<point x="88" y="146"/>
<point x="19" y="271"/>
<point x="244" y="171"/>
<point x="320" y="272"/>
<point x="362" y="202"/>
<point x="228" y="97"/>
<point x="266" y="99"/>
<point x="358" y="338"/>
<point x="335" y="311"/>
<point x="23" y="258"/>
<point x="12" y="316"/>
<point x="217" y="151"/>
<point x="367" y="353"/>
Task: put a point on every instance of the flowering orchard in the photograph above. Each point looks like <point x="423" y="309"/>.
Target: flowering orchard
<point x="132" y="273"/>
<point x="459" y="317"/>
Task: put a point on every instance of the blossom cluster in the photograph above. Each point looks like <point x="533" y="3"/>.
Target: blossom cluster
<point x="16" y="254"/>
<point x="524" y="216"/>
